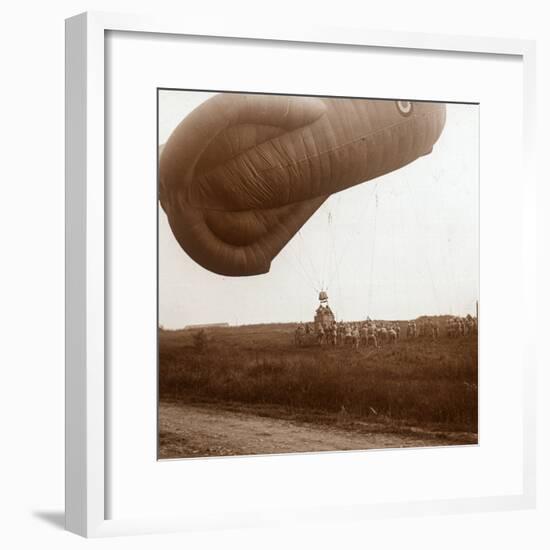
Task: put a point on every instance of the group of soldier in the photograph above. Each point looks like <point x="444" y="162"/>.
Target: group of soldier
<point x="350" y="334"/>
<point x="456" y="326"/>
<point x="368" y="333"/>
<point x="422" y="329"/>
<point x="461" y="326"/>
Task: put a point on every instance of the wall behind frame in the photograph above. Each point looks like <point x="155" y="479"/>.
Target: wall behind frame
<point x="32" y="294"/>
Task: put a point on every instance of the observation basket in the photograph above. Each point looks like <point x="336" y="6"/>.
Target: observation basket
<point x="324" y="315"/>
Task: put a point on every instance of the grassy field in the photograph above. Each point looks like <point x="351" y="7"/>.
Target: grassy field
<point x="413" y="383"/>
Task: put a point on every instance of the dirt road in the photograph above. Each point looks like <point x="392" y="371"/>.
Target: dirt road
<point x="203" y="430"/>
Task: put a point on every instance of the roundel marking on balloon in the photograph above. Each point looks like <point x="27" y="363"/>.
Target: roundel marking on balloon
<point x="404" y="107"/>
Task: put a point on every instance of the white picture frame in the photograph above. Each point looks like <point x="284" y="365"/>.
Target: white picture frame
<point x="87" y="240"/>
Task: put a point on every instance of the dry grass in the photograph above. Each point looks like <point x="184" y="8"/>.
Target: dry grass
<point x="414" y="383"/>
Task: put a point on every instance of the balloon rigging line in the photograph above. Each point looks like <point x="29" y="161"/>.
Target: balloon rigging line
<point x="333" y="264"/>
<point x="326" y="250"/>
<point x="425" y="254"/>
<point x="393" y="253"/>
<point x="295" y="257"/>
<point x="355" y="235"/>
<point x="307" y="257"/>
<point x="372" y="254"/>
<point x="451" y="268"/>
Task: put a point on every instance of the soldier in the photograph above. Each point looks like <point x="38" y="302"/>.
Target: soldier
<point x="398" y="330"/>
<point x="392" y="334"/>
<point x="364" y="335"/>
<point x="333" y="334"/>
<point x="320" y="334"/>
<point x="371" y="335"/>
<point x="347" y="335"/>
<point x="434" y="330"/>
<point x="422" y="329"/>
<point x="468" y="324"/>
<point x="355" y="337"/>
<point x="456" y="327"/>
<point x="341" y="331"/>
<point x="299" y="334"/>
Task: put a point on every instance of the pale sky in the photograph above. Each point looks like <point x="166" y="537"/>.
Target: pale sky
<point x="402" y="245"/>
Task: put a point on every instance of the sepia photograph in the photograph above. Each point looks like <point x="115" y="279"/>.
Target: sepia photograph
<point x="318" y="273"/>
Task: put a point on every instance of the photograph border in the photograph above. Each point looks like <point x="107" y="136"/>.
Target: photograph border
<point x="87" y="327"/>
<point x="157" y="327"/>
